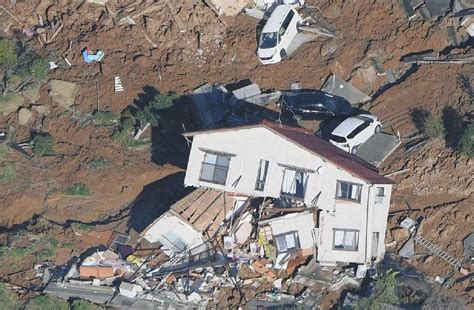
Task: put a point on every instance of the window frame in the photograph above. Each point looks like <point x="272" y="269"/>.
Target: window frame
<point x="379" y="198"/>
<point x="288" y="250"/>
<point x="351" y="184"/>
<point x="259" y="182"/>
<point x="305" y="182"/>
<point x="354" y="247"/>
<point x="286" y="23"/>
<point x="203" y="162"/>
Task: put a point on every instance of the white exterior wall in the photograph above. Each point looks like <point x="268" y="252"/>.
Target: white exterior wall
<point x="353" y="215"/>
<point x="170" y="222"/>
<point x="303" y="223"/>
<point x="251" y="145"/>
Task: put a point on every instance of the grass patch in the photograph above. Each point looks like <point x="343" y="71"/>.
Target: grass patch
<point x="68" y="245"/>
<point x="132" y="143"/>
<point x="47" y="303"/>
<point x="98" y="164"/>
<point x="3" y="151"/>
<point x="84" y="305"/>
<point x="105" y="118"/>
<point x="8" y="172"/>
<point x="81" y="227"/>
<point x="44" y="247"/>
<point x="466" y="143"/>
<point x="434" y="127"/>
<point x="77" y="189"/>
<point x="8" y="301"/>
<point x="43" y="144"/>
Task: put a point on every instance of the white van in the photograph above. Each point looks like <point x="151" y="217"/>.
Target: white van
<point x="277" y="34"/>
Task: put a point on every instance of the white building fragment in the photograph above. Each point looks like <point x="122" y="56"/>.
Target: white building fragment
<point x="347" y="200"/>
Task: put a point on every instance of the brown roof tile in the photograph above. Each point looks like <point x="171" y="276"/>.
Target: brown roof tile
<point x="319" y="147"/>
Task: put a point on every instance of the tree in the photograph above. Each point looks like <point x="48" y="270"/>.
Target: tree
<point x="434" y="127"/>
<point x="466" y="143"/>
<point x="43" y="144"/>
<point x="384" y="292"/>
<point x="8" y="60"/>
<point x="150" y="114"/>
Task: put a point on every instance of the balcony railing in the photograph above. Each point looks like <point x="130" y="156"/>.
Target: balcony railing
<point x="213" y="173"/>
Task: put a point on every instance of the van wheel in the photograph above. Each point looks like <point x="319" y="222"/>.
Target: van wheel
<point x="283" y="54"/>
<point x="354" y="150"/>
<point x="378" y="129"/>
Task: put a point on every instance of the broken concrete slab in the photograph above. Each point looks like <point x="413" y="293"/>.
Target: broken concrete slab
<point x="336" y="86"/>
<point x="129" y="290"/>
<point x="378" y="147"/>
<point x="10" y="103"/>
<point x="32" y="94"/>
<point x="63" y="93"/>
<point x="438" y="8"/>
<point x="408" y="249"/>
<point x="468" y="244"/>
<point x="24" y="116"/>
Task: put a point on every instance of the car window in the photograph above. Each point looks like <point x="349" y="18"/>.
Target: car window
<point x="358" y="130"/>
<point x="313" y="108"/>
<point x="286" y="23"/>
<point x="338" y="139"/>
<point x="268" y="40"/>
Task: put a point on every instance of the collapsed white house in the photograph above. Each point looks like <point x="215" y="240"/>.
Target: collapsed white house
<point x="348" y="196"/>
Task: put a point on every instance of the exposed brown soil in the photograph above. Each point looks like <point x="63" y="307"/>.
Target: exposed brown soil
<point x="204" y="49"/>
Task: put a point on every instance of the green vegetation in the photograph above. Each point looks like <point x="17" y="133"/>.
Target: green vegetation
<point x="47" y="303"/>
<point x="44" y="247"/>
<point x="466" y="143"/>
<point x="132" y="143"/>
<point x="105" y="118"/>
<point x="98" y="164"/>
<point x="7" y="172"/>
<point x="134" y="122"/>
<point x="81" y="227"/>
<point x="8" y="56"/>
<point x="3" y="150"/>
<point x="68" y="245"/>
<point x="434" y="127"/>
<point x="384" y="292"/>
<point x="8" y="301"/>
<point x="43" y="144"/>
<point x="77" y="189"/>
<point x="84" y="305"/>
<point x="39" y="68"/>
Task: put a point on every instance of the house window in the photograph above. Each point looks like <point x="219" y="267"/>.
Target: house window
<point x="349" y="191"/>
<point x="294" y="183"/>
<point x="214" y="168"/>
<point x="287" y="242"/>
<point x="261" y="175"/>
<point x="380" y="193"/>
<point x="346" y="239"/>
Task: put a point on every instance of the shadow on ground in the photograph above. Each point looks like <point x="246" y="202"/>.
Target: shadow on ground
<point x="155" y="199"/>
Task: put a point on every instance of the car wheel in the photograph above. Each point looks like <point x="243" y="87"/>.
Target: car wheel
<point x="354" y="150"/>
<point x="283" y="54"/>
<point x="378" y="128"/>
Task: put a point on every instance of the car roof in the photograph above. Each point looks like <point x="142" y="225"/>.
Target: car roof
<point x="347" y="126"/>
<point x="276" y="18"/>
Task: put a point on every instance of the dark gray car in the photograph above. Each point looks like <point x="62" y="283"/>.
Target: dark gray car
<point x="314" y="105"/>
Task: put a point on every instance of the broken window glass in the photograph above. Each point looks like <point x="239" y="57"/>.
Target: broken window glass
<point x="349" y="191"/>
<point x="262" y="175"/>
<point x="294" y="183"/>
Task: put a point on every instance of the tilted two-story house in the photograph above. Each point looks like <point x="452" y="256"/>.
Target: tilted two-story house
<point x="271" y="160"/>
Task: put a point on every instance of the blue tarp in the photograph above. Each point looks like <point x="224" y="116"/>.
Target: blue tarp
<point x="88" y="57"/>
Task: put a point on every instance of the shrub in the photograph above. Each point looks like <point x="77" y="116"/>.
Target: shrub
<point x="8" y="172"/>
<point x="105" y="118"/>
<point x="384" y="293"/>
<point x="434" y="127"/>
<point x="77" y="189"/>
<point x="47" y="303"/>
<point x="84" y="305"/>
<point x="466" y="143"/>
<point x="39" y="68"/>
<point x="3" y="150"/>
<point x="43" y="144"/>
<point x="8" y="57"/>
<point x="8" y="301"/>
<point x="98" y="164"/>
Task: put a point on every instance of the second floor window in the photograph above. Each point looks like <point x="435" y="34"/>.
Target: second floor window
<point x="261" y="175"/>
<point x="380" y="193"/>
<point x="348" y="191"/>
<point x="287" y="242"/>
<point x="294" y="183"/>
<point x="214" y="168"/>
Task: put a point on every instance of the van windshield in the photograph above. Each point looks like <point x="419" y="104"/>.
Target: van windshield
<point x="338" y="139"/>
<point x="268" y="40"/>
